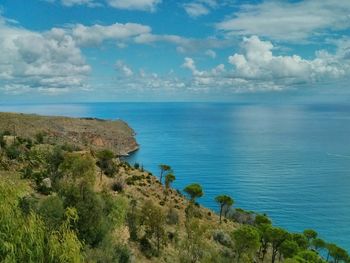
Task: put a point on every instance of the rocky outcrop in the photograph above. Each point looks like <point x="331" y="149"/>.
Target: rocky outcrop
<point x="84" y="133"/>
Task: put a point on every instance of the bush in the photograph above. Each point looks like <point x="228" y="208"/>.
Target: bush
<point x="147" y="248"/>
<point x="92" y="222"/>
<point x="124" y="254"/>
<point x="52" y="211"/>
<point x="39" y="137"/>
<point x="27" y="204"/>
<point x="13" y="152"/>
<point x="118" y="186"/>
<point x="222" y="238"/>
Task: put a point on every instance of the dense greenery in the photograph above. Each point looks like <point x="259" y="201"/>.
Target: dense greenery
<point x="53" y="209"/>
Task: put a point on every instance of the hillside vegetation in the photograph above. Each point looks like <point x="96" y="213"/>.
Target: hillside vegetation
<point x="60" y="203"/>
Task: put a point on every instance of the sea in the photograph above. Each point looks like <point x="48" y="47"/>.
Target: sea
<point x="291" y="162"/>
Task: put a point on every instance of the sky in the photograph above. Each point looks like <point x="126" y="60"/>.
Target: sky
<point x="167" y="50"/>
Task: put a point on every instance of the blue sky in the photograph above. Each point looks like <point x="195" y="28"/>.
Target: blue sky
<point x="159" y="50"/>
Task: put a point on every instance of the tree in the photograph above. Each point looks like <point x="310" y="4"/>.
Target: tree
<point x="318" y="244"/>
<point x="224" y="201"/>
<point x="262" y="222"/>
<point x="289" y="248"/>
<point x="169" y="179"/>
<point x="308" y="256"/>
<point x="163" y="169"/>
<point x="194" y="247"/>
<point x="92" y="223"/>
<point x="276" y="236"/>
<point x="105" y="162"/>
<point x="301" y="240"/>
<point x="154" y="221"/>
<point x="337" y="253"/>
<point x="194" y="191"/>
<point x="78" y="167"/>
<point x="310" y="234"/>
<point x="246" y="240"/>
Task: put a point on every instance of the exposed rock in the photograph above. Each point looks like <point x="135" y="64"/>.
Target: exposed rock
<point x="47" y="183"/>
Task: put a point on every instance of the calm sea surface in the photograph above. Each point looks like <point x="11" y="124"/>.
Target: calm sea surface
<point x="291" y="162"/>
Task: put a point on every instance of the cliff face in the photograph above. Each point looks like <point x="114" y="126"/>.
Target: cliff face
<point x="81" y="132"/>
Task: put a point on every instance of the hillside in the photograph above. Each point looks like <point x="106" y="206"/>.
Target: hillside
<point x="80" y="132"/>
<point x="64" y="204"/>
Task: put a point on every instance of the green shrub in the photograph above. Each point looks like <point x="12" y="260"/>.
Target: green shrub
<point x="12" y="152"/>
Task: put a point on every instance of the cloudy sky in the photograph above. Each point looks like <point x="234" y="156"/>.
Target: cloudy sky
<point x="167" y="50"/>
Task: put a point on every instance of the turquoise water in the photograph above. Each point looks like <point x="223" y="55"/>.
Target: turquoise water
<point x="291" y="162"/>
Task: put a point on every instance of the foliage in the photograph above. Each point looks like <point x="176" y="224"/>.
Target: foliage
<point x="224" y="201"/>
<point x="246" y="242"/>
<point x="77" y="167"/>
<point x="163" y="169"/>
<point x="106" y="163"/>
<point x="194" y="191"/>
<point x="52" y="211"/>
<point x="169" y="179"/>
<point x="92" y="223"/>
<point x="154" y="221"/>
<point x="25" y="238"/>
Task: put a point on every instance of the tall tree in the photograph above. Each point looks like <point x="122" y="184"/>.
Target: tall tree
<point x="224" y="201"/>
<point x="276" y="236"/>
<point x="154" y="221"/>
<point x="194" y="191"/>
<point x="169" y="179"/>
<point x="310" y="234"/>
<point x="246" y="240"/>
<point x="106" y="163"/>
<point x="163" y="169"/>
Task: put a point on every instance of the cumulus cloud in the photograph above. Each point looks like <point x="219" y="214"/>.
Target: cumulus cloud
<point x="289" y="21"/>
<point x="143" y="5"/>
<point x="256" y="68"/>
<point x="258" y="62"/>
<point x="49" y="60"/>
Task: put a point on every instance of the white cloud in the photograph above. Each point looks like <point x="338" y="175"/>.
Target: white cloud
<point x="143" y="5"/>
<point x="200" y="7"/>
<point x="49" y="60"/>
<point x="258" y="69"/>
<point x="96" y="34"/>
<point x="124" y="69"/>
<point x="196" y="9"/>
<point x="70" y="3"/>
<point x="282" y="20"/>
<point x="258" y="62"/>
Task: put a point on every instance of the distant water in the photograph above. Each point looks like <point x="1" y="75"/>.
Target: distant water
<point x="291" y="162"/>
